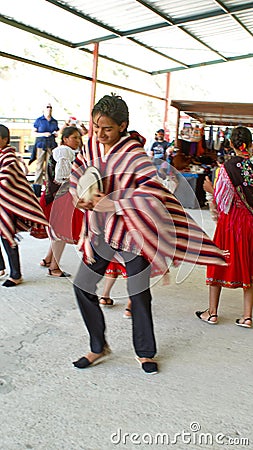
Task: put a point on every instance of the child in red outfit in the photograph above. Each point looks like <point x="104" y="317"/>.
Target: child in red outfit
<point x="233" y="195"/>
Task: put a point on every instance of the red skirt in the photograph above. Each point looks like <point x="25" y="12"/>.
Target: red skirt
<point x="114" y="269"/>
<point x="65" y="220"/>
<point x="234" y="233"/>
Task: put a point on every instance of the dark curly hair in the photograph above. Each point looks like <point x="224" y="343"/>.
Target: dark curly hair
<point x="5" y="133"/>
<point x="240" y="136"/>
<point x="114" y="107"/>
<point x="68" y="131"/>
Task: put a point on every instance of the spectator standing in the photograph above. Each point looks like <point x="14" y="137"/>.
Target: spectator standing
<point x="46" y="128"/>
<point x="158" y="148"/>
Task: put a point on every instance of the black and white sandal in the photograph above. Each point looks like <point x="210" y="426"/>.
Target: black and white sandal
<point x="208" y="320"/>
<point x="243" y="323"/>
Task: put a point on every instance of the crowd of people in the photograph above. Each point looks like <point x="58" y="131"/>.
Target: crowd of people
<point x="106" y="227"/>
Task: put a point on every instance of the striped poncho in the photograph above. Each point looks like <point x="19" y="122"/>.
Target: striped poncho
<point x="149" y="220"/>
<point x="19" y="207"/>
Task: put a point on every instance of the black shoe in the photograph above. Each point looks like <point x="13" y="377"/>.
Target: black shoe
<point x="149" y="367"/>
<point x="83" y="362"/>
<point x="10" y="283"/>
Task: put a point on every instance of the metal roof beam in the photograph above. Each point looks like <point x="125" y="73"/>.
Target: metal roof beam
<point x="205" y="44"/>
<point x="171" y="22"/>
<point x="168" y="21"/>
<point x="223" y="10"/>
<point x="207" y="63"/>
<point x="156" y="26"/>
<point x="156" y="11"/>
<point x="33" y="30"/>
<point x="44" y="66"/>
<point x="242" y="25"/>
<point x="94" y="41"/>
<point x="76" y="75"/>
<point x="117" y="62"/>
<point x="112" y="30"/>
<point x="81" y="44"/>
<point x="213" y="14"/>
<point x="83" y="16"/>
<point x="44" y="35"/>
<point x="124" y="34"/>
<point x="184" y="66"/>
<point x="228" y="11"/>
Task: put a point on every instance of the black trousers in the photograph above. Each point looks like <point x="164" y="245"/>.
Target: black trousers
<point x="2" y="263"/>
<point x="138" y="277"/>
<point x="13" y="258"/>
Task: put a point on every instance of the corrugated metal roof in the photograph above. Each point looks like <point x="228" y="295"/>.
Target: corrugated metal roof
<point x="155" y="36"/>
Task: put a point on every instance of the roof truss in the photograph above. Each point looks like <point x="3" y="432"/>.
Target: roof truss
<point x="163" y="22"/>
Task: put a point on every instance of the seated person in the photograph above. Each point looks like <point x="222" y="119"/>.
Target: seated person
<point x="180" y="160"/>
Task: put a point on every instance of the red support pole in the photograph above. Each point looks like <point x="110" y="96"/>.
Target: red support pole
<point x="166" y="112"/>
<point x="177" y="127"/>
<point x="93" y="84"/>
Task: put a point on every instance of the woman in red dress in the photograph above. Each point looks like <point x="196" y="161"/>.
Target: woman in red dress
<point x="233" y="195"/>
<point x="56" y="202"/>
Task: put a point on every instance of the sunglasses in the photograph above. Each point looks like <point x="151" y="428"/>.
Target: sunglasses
<point x="49" y="107"/>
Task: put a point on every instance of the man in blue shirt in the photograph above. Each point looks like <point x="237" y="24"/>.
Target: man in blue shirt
<point x="46" y="128"/>
<point x="158" y="149"/>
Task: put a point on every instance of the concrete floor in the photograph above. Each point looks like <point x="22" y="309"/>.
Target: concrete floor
<point x="202" y="397"/>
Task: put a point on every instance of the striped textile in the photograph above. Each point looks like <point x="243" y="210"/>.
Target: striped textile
<point x="19" y="207"/>
<point x="151" y="221"/>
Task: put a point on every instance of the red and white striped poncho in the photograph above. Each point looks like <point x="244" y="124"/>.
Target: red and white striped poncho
<point x="151" y="222"/>
<point x="19" y="207"/>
